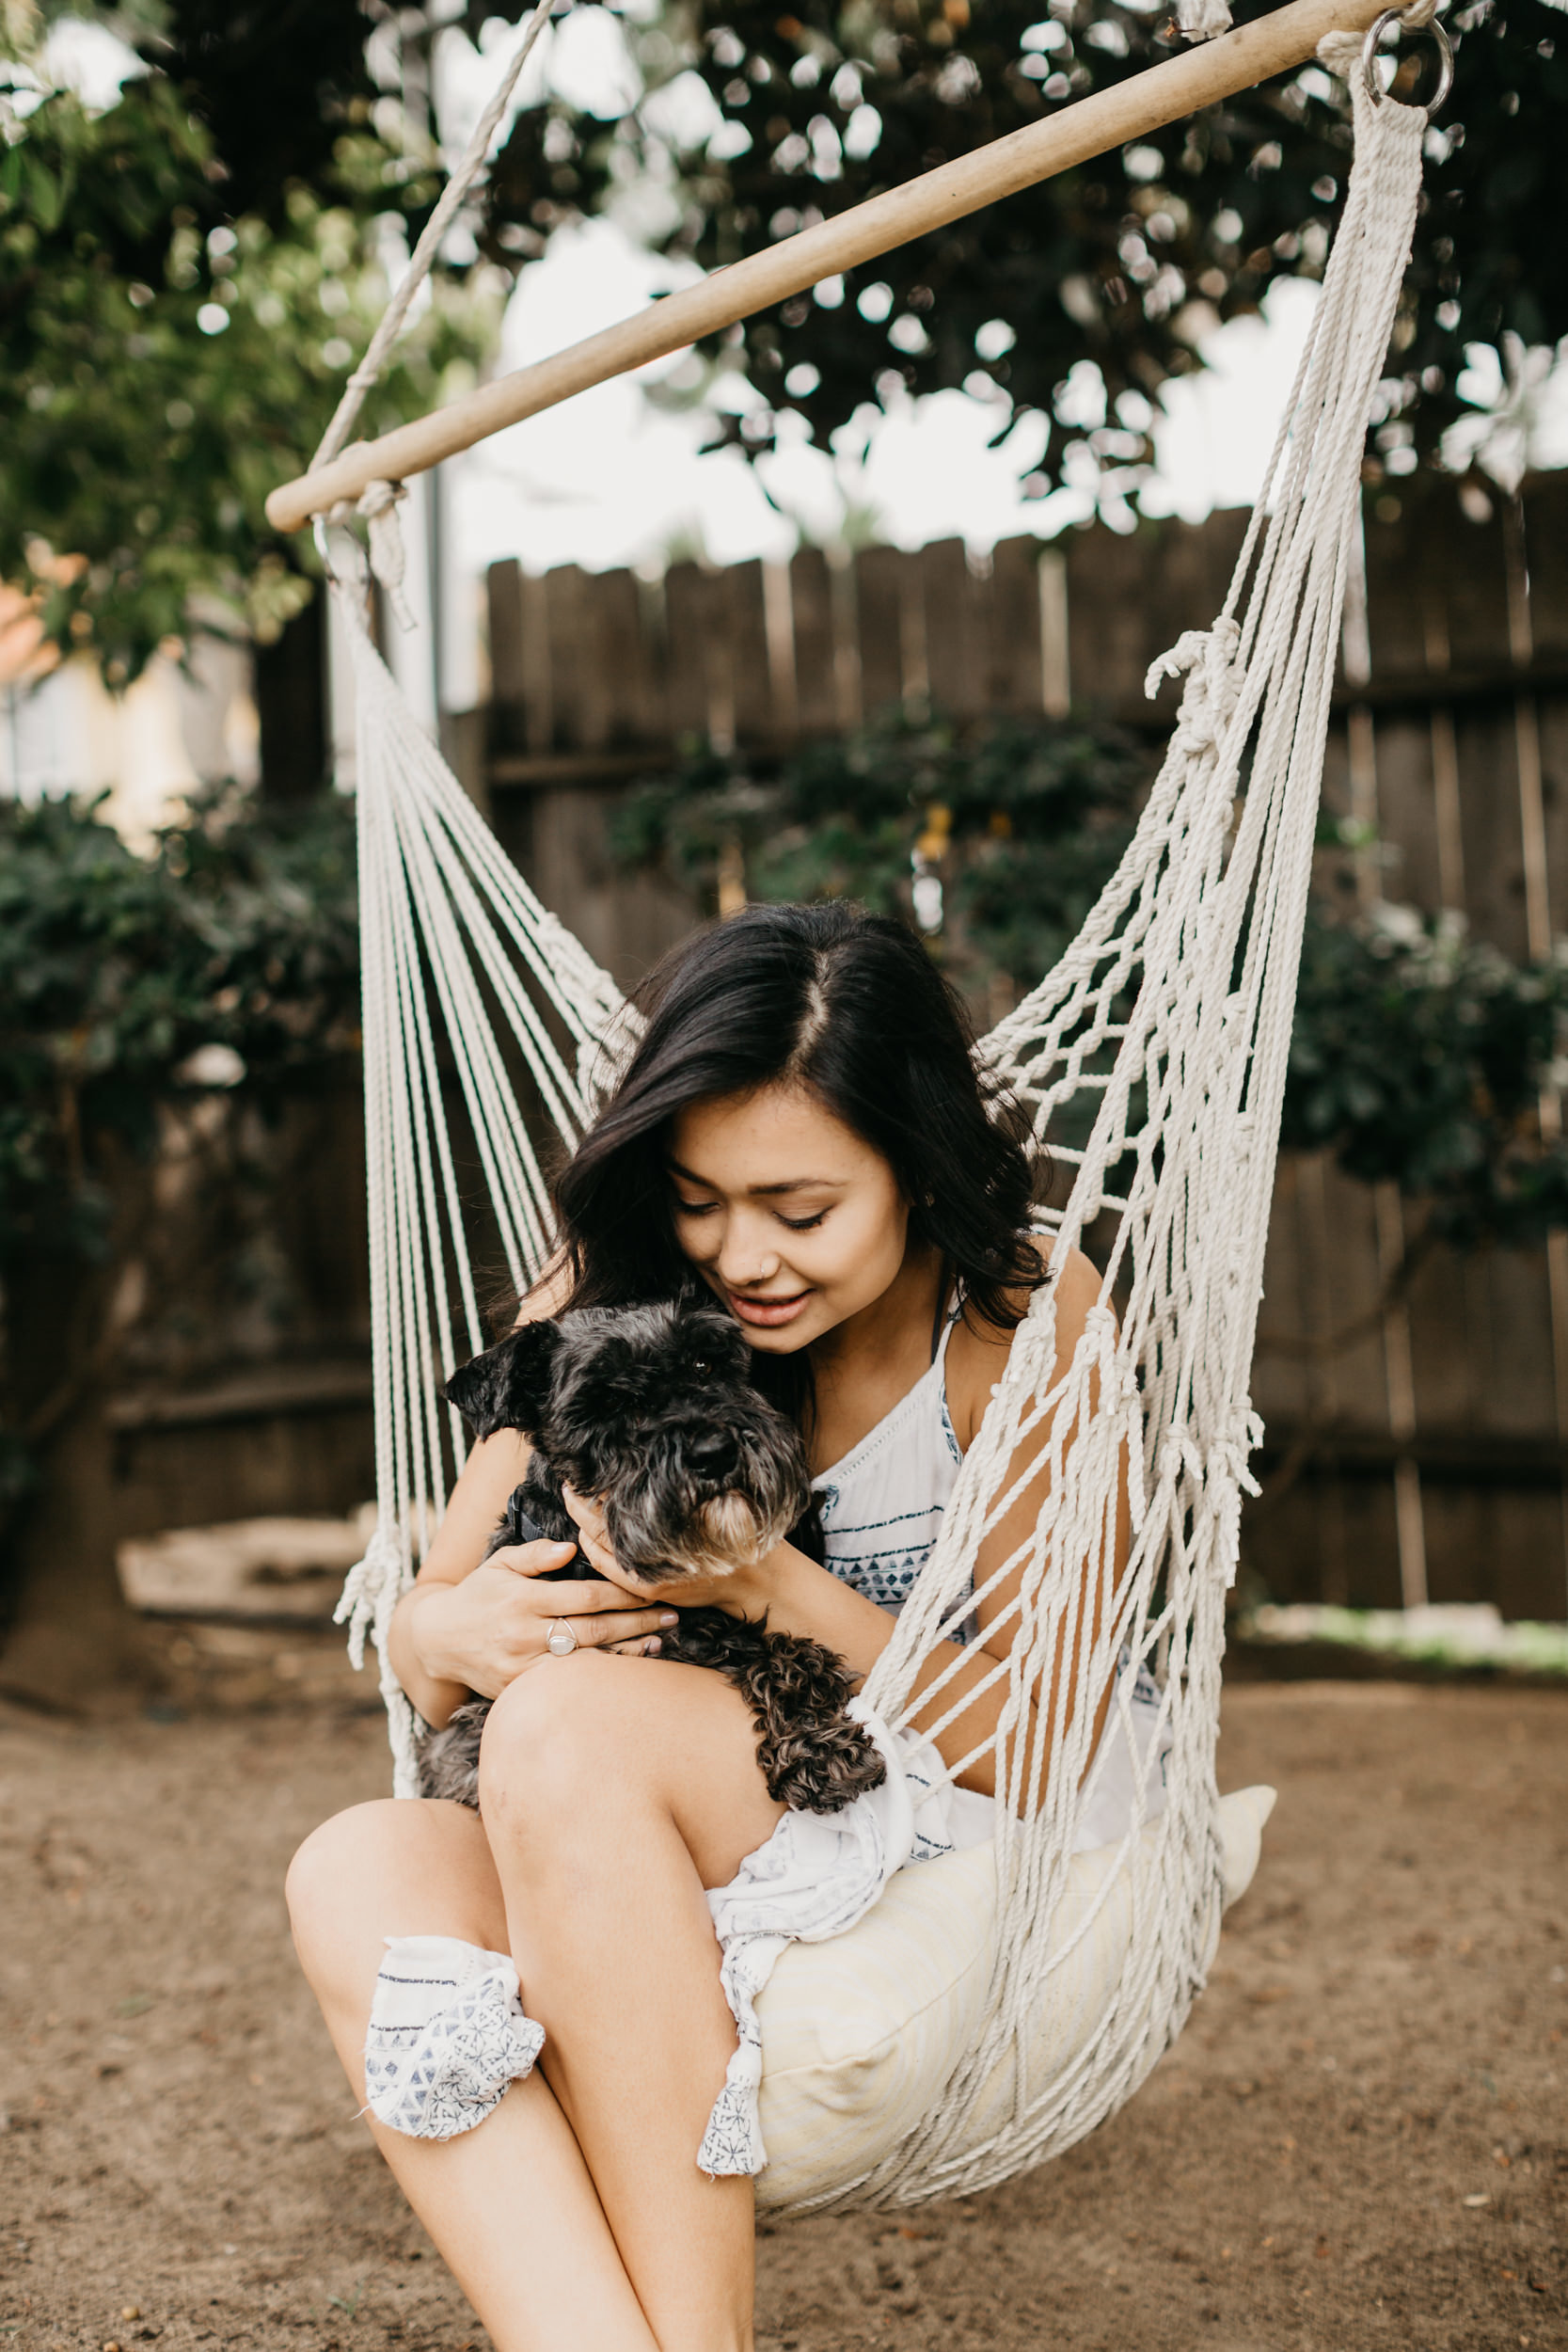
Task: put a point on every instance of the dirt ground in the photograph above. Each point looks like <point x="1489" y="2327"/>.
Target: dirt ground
<point x="1359" y="2141"/>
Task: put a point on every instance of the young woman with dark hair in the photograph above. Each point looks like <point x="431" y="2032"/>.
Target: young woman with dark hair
<point x="802" y="1132"/>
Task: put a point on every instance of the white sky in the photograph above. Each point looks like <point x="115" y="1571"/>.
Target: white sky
<point x="609" y="479"/>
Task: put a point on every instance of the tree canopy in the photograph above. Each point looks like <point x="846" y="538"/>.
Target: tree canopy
<point x="185" y="278"/>
<point x="1125" y="262"/>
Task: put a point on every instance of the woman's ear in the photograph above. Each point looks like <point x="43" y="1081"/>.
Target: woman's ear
<point x="508" y="1386"/>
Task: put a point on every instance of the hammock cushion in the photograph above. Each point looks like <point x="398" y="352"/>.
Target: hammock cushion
<point x="860" y="2035"/>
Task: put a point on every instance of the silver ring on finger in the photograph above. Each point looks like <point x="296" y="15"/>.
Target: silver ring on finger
<point x="560" y="1640"/>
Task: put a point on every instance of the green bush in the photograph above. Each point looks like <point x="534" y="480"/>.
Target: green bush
<point x="1420" y="1058"/>
<point x="1034" y="820"/>
<point x="234" y="940"/>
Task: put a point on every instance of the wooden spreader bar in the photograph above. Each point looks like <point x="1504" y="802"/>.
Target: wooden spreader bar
<point x="1112" y="117"/>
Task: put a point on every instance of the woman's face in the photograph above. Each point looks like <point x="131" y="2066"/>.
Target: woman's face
<point x="787" y="1212"/>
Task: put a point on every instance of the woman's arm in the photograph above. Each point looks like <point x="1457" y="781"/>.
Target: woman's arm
<point x="472" y="1624"/>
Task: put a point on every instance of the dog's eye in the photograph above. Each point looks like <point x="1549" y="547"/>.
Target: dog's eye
<point x="700" y="1363"/>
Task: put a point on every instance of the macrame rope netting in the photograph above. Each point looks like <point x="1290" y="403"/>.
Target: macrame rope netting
<point x="1168" y="1018"/>
<point x="520" y="1013"/>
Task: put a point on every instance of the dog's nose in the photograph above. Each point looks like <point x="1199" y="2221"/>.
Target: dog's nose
<point x="712" y="1450"/>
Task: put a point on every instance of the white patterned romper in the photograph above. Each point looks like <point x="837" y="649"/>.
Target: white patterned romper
<point x="881" y="1506"/>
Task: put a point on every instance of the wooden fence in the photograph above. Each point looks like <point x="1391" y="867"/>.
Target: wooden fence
<point x="1417" y="1448"/>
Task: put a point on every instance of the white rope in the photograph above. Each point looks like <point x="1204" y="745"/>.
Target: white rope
<point x="470" y="987"/>
<point x="1169" y="1016"/>
<point x="1197" y="941"/>
<point x="422" y="261"/>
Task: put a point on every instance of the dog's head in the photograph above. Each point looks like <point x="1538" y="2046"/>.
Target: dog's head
<point x="651" y="1412"/>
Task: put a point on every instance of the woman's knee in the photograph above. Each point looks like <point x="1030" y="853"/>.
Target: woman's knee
<point x="550" y="1739"/>
<point x="395" y="1867"/>
<point x="332" y="1882"/>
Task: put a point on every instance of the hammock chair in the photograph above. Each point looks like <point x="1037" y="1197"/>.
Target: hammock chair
<point x="1151" y="1063"/>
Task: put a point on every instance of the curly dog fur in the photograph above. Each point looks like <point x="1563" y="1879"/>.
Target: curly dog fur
<point x="651" y="1411"/>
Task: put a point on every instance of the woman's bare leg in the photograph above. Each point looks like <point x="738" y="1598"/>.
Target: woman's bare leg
<point x="511" y="2205"/>
<point x="615" y="1792"/>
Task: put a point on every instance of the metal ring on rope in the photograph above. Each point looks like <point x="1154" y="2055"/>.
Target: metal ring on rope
<point x="318" y="532"/>
<point x="1435" y="32"/>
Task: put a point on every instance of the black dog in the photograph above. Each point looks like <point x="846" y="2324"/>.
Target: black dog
<point x="650" y="1412"/>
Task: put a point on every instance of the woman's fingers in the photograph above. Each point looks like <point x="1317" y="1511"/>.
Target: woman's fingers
<point x="567" y="1595"/>
<point x="532" y="1558"/>
<point x="591" y="1532"/>
<point x="614" y="1629"/>
<point x="588" y="1516"/>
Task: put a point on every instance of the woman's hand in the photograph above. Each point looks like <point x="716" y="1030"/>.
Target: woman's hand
<point x="740" y="1590"/>
<point x="493" y="1626"/>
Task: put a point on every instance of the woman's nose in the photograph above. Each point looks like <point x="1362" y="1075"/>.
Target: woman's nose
<point x="747" y="1256"/>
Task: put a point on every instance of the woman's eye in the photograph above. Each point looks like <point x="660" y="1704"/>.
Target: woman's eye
<point x="694" y="1208"/>
<point x="803" y="1224"/>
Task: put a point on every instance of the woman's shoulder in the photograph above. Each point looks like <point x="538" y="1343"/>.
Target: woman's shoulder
<point x="549" y="1294"/>
<point x="978" y="1350"/>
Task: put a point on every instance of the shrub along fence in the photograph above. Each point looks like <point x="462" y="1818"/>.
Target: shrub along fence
<point x="1415" y="1399"/>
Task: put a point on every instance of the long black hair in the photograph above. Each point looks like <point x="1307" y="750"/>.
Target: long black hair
<point x="850" y="1007"/>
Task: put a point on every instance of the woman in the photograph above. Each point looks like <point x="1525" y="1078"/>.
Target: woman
<point x="802" y="1127"/>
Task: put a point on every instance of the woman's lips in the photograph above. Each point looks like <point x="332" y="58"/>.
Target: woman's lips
<point x="769" y="1312"/>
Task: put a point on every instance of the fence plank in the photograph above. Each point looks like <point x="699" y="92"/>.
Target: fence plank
<point x="956" y="607"/>
<point x="815" y="653"/>
<point x="1108" y="639"/>
<point x="744" y="609"/>
<point x="1486" y="752"/>
<point x="1017" y="683"/>
<point x="1450" y="1333"/>
<point x="1552" y="723"/>
<point x="1280" y="1375"/>
<point x="879" y="629"/>
<point x="1347" y="1277"/>
<point x="504" y="590"/>
<point x="1467" y="562"/>
<point x="626" y="921"/>
<point x="628" y="672"/>
<point x="1546" y="504"/>
<point x="1372" y="1548"/>
<point x="1514" y="1393"/>
<point x="579" y="707"/>
<point x="1398" y="628"/>
<point x="1406" y="811"/>
<point x="686" y="673"/>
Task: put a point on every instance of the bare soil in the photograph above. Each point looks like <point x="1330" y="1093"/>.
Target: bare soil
<point x="1359" y="2141"/>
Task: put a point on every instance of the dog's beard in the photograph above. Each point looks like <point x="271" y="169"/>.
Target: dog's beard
<point x="666" y="1519"/>
<point x="722" y="1536"/>
<point x="727" y="1531"/>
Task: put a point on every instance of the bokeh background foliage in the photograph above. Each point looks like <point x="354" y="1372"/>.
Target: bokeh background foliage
<point x="187" y="276"/>
<point x="1124" y="263"/>
<point x="176" y="321"/>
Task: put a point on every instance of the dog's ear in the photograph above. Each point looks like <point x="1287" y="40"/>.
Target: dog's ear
<point x="508" y="1386"/>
